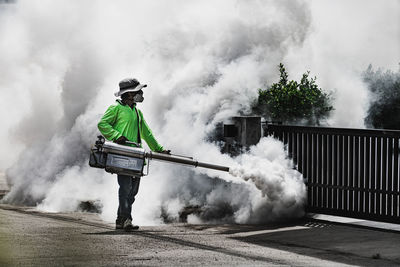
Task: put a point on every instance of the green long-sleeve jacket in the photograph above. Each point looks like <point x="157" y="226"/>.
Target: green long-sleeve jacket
<point x="120" y="120"/>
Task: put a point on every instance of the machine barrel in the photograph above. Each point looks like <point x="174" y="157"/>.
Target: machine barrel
<point x="184" y="160"/>
<point x="118" y="157"/>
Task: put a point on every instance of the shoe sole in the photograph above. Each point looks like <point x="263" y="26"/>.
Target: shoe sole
<point x="131" y="228"/>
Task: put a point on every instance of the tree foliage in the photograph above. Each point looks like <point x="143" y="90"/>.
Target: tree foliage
<point x="291" y="101"/>
<point x="384" y="109"/>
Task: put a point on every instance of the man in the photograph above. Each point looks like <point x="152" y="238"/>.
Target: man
<point x="124" y="122"/>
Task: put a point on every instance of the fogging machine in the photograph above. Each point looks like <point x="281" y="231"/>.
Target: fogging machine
<point x="129" y="160"/>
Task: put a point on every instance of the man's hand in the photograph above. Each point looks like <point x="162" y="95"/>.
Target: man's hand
<point x="166" y="152"/>
<point x="121" y="140"/>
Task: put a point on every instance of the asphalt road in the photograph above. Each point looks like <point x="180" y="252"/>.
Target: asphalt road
<point x="31" y="238"/>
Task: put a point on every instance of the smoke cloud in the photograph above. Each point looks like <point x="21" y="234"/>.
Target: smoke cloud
<point x="345" y="37"/>
<point x="203" y="62"/>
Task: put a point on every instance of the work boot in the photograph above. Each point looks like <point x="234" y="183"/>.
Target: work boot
<point x="128" y="226"/>
<point x="119" y="224"/>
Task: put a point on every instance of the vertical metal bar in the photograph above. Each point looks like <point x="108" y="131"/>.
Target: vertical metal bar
<point x="351" y="174"/>
<point x="284" y="137"/>
<point x="306" y="173"/>
<point x="300" y="153"/>
<point x="309" y="166"/>
<point x="346" y="172"/>
<point x="281" y="135"/>
<point x="362" y="175"/>
<point x="275" y="134"/>
<point x="324" y="171"/>
<point x="335" y="171"/>
<point x="295" y="136"/>
<point x="290" y="144"/>
<point x="396" y="211"/>
<point x="340" y="172"/>
<point x="378" y="174"/>
<point x="356" y="173"/>
<point x="390" y="177"/>
<point x="319" y="170"/>
<point x="304" y="155"/>
<point x="384" y="175"/>
<point x="373" y="175"/>
<point x="314" y="168"/>
<point x="329" y="170"/>
<point x="368" y="202"/>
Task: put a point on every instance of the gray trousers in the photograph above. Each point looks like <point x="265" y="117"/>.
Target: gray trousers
<point x="128" y="188"/>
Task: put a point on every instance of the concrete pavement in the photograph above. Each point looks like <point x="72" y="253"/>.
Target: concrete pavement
<point x="32" y="238"/>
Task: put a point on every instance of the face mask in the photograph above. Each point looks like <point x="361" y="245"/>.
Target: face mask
<point x="138" y="98"/>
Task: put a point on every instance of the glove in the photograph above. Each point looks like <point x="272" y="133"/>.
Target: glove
<point x="121" y="140"/>
<point x="166" y="152"/>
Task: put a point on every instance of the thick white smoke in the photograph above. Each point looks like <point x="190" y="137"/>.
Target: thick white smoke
<point x="345" y="37"/>
<point x="203" y="62"/>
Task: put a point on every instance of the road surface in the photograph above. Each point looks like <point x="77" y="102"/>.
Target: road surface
<point x="32" y="238"/>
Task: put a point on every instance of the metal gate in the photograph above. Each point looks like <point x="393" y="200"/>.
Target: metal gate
<point x="348" y="172"/>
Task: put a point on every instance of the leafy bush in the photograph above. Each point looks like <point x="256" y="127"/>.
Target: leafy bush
<point x="290" y="101"/>
<point x="384" y="110"/>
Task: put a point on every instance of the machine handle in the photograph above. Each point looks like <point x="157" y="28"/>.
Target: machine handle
<point x="132" y="143"/>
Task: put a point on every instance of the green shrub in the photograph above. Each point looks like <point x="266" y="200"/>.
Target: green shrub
<point x="293" y="102"/>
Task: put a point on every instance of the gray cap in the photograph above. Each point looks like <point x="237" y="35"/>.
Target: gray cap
<point x="129" y="85"/>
